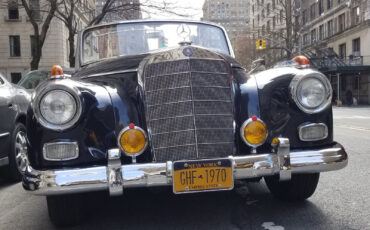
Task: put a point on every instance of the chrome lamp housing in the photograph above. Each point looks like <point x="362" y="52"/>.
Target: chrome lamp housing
<point x="57" y="105"/>
<point x="311" y="92"/>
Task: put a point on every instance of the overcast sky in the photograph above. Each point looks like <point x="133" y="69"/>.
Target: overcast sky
<point x="190" y="7"/>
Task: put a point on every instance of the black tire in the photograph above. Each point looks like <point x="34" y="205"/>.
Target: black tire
<point x="15" y="173"/>
<point x="299" y="188"/>
<point x="66" y="210"/>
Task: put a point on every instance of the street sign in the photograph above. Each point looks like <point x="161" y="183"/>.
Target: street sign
<point x="260" y="44"/>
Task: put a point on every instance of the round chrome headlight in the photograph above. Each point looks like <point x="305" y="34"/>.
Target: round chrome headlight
<point x="312" y="93"/>
<point x="57" y="107"/>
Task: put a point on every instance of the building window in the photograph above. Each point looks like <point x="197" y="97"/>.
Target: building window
<point x="355" y="16"/>
<point x="356" y="49"/>
<point x="341" y="22"/>
<point x="321" y="32"/>
<point x="342" y="50"/>
<point x="305" y="39"/>
<point x="281" y="16"/>
<point x="268" y="8"/>
<point x="15" y="46"/>
<point x="321" y="6"/>
<point x="313" y="11"/>
<point x="330" y="3"/>
<point x="35" y="8"/>
<point x="273" y="4"/>
<point x="330" y="28"/>
<point x="15" y="77"/>
<point x="313" y="36"/>
<point x="13" y="12"/>
<point x="304" y="17"/>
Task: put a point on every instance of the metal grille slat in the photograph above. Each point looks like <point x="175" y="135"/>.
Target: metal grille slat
<point x="170" y="110"/>
<point x="189" y="109"/>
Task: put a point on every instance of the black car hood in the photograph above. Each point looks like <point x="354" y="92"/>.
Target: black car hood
<point x="113" y="65"/>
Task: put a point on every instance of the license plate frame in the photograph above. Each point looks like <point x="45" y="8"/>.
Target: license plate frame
<point x="200" y="167"/>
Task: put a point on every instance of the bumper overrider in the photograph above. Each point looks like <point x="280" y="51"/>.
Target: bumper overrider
<point x="115" y="177"/>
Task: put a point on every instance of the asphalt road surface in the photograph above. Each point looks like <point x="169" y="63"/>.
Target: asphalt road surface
<point x="341" y="201"/>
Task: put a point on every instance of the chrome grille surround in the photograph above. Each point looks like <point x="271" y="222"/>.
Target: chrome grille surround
<point x="189" y="107"/>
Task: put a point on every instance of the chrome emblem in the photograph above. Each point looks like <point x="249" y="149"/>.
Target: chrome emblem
<point x="188" y="51"/>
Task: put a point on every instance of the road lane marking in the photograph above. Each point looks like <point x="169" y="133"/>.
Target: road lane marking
<point x="352" y="127"/>
<point x="351" y="117"/>
<point x="272" y="226"/>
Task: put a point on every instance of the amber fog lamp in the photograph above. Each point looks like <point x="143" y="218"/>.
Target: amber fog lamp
<point x="56" y="71"/>
<point x="132" y="140"/>
<point x="254" y="132"/>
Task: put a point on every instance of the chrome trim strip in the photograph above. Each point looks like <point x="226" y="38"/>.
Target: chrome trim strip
<point x="168" y="103"/>
<point x="60" y="143"/>
<point x="183" y="87"/>
<point x="4" y="134"/>
<point x="185" y="72"/>
<point x="179" y="131"/>
<point x="4" y="161"/>
<point x="165" y="118"/>
<point x="110" y="73"/>
<point x="303" y="126"/>
<point x="64" y="181"/>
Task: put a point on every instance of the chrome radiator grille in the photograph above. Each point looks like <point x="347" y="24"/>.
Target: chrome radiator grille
<point x="189" y="109"/>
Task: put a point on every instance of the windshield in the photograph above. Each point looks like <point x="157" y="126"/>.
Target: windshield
<point x="142" y="37"/>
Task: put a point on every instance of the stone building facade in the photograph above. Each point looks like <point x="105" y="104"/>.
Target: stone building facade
<point x="128" y="10"/>
<point x="231" y="14"/>
<point x="336" y="37"/>
<point x="16" y="41"/>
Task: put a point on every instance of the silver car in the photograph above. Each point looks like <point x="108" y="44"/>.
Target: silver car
<point x="14" y="101"/>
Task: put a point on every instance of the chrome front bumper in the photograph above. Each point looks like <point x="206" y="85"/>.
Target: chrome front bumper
<point x="116" y="177"/>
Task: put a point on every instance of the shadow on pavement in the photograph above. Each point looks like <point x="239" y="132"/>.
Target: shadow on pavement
<point x="3" y="180"/>
<point x="249" y="206"/>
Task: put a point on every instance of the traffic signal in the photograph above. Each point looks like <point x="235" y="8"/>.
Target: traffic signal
<point x="261" y="44"/>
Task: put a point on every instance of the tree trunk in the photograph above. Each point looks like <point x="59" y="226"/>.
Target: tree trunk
<point x="71" y="40"/>
<point x="289" y="29"/>
<point x="38" y="51"/>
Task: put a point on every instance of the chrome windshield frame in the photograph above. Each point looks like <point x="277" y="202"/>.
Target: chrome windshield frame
<point x="81" y="37"/>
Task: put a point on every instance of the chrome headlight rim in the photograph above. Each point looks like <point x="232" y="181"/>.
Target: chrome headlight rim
<point x="74" y="92"/>
<point x="295" y="85"/>
<point x="247" y="122"/>
<point x="121" y="148"/>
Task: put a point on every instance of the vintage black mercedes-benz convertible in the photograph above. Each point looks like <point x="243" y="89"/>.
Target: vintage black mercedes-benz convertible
<point x="164" y="103"/>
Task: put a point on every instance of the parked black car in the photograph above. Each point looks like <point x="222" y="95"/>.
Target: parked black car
<point x="164" y="103"/>
<point x="14" y="101"/>
<point x="33" y="78"/>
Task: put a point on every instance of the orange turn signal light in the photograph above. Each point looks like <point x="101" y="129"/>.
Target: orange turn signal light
<point x="56" y="71"/>
<point x="254" y="132"/>
<point x="301" y="60"/>
<point x="132" y="140"/>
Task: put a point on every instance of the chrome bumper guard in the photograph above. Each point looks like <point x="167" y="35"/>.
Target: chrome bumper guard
<point x="115" y="177"/>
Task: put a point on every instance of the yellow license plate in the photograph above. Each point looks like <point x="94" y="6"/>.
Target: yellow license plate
<point x="202" y="175"/>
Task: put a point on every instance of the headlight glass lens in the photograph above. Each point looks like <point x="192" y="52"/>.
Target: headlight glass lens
<point x="58" y="107"/>
<point x="132" y="141"/>
<point x="311" y="93"/>
<point x="255" y="133"/>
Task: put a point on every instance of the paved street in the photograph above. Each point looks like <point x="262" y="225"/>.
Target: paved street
<point x="342" y="200"/>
